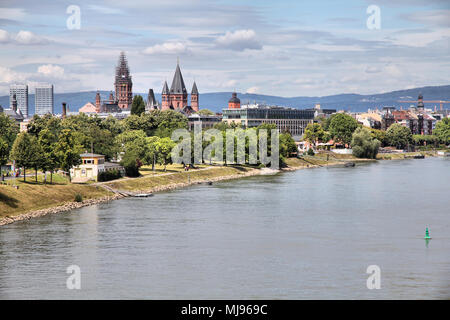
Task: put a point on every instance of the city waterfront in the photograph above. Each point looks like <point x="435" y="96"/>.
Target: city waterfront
<point x="308" y="234"/>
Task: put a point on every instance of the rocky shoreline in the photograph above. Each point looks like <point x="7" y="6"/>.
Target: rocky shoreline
<point x="74" y="205"/>
<point x="65" y="207"/>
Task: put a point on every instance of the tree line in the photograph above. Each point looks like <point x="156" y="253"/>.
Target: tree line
<point x="52" y="143"/>
<point x="365" y="142"/>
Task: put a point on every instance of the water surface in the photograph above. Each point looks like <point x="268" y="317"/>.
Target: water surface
<point x="308" y="234"/>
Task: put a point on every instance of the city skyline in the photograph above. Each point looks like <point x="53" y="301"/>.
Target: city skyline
<point x="287" y="49"/>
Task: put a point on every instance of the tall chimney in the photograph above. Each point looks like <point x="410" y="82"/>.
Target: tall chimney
<point x="64" y="110"/>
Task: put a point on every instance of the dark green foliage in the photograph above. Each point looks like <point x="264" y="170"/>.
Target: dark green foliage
<point x="398" y="136"/>
<point x="131" y="163"/>
<point x="310" y="152"/>
<point x="442" y="131"/>
<point x="363" y="145"/>
<point x="78" y="198"/>
<point x="342" y="127"/>
<point x="109" y="175"/>
<point x="138" y="105"/>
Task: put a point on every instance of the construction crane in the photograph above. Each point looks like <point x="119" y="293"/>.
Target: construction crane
<point x="441" y="102"/>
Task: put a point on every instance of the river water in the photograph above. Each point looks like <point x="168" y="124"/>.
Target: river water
<point x="308" y="234"/>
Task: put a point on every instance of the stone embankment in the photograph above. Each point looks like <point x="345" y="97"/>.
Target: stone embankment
<point x="65" y="207"/>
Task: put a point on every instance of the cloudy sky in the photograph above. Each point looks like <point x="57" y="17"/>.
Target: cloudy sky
<point x="277" y="47"/>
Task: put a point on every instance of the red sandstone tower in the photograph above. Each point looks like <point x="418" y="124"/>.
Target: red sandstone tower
<point x="234" y="102"/>
<point x="194" y="98"/>
<point x="178" y="93"/>
<point x="123" y="84"/>
<point x="165" y="105"/>
<point x="98" y="102"/>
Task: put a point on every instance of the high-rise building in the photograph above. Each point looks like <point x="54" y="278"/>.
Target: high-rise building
<point x="123" y="83"/>
<point x="43" y="99"/>
<point x="21" y="92"/>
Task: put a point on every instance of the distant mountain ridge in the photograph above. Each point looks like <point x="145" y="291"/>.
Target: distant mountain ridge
<point x="216" y="101"/>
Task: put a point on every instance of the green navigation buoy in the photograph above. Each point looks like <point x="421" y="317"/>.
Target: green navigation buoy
<point x="427" y="235"/>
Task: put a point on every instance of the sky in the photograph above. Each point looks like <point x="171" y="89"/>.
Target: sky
<point x="284" y="47"/>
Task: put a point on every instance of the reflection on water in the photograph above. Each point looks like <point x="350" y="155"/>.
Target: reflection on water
<point x="300" y="235"/>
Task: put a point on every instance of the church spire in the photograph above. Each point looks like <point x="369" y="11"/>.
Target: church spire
<point x="123" y="83"/>
<point x="178" y="86"/>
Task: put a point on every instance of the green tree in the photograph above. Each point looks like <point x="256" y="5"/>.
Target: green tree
<point x="398" y="136"/>
<point x="363" y="144"/>
<point x="314" y="133"/>
<point x="442" y="130"/>
<point x="168" y="121"/>
<point x="152" y="151"/>
<point x="8" y="130"/>
<point x="380" y="135"/>
<point x="67" y="151"/>
<point x="138" y="105"/>
<point x="287" y="145"/>
<point x="48" y="140"/>
<point x="38" y="123"/>
<point x="26" y="152"/>
<point x="164" y="148"/>
<point x="131" y="163"/>
<point x="205" y="112"/>
<point x="342" y="127"/>
<point x="4" y="153"/>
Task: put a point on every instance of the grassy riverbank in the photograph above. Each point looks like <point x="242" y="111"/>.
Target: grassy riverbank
<point x="159" y="182"/>
<point x="35" y="196"/>
<point x="31" y="196"/>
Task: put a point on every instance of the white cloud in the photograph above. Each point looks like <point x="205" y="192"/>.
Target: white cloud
<point x="239" y="40"/>
<point x="252" y="90"/>
<point x="4" y="36"/>
<point x="50" y="70"/>
<point x="28" y="37"/>
<point x="104" y="10"/>
<point x="166" y="48"/>
<point x="439" y="18"/>
<point x="17" y="14"/>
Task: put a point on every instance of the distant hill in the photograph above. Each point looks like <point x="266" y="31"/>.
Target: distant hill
<point x="216" y="101"/>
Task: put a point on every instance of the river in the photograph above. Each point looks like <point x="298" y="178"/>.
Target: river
<point x="308" y="234"/>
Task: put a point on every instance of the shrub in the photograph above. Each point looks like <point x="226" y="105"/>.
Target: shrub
<point x="78" y="198"/>
<point x="310" y="152"/>
<point x="109" y="175"/>
<point x="363" y="145"/>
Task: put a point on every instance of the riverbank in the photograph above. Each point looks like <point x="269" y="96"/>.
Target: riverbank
<point x="32" y="200"/>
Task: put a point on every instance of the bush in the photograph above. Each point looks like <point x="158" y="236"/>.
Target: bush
<point x="310" y="152"/>
<point x="363" y="145"/>
<point x="131" y="164"/>
<point x="109" y="175"/>
<point x="78" y="198"/>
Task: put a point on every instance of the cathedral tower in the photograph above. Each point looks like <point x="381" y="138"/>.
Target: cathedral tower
<point x="123" y="84"/>
<point x="194" y="98"/>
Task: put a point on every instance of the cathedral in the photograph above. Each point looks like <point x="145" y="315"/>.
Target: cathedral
<point x="123" y="84"/>
<point x="174" y="99"/>
<point x="177" y="97"/>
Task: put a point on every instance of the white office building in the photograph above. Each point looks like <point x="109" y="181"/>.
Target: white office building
<point x="43" y="99"/>
<point x="21" y="92"/>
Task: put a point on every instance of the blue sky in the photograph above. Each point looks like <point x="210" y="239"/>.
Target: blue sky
<point x="287" y="48"/>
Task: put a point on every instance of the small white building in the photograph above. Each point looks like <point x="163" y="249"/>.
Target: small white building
<point x="91" y="166"/>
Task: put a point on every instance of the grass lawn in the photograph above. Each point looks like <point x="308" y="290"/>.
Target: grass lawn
<point x="56" y="179"/>
<point x="148" y="182"/>
<point x="35" y="196"/>
<point x="147" y="170"/>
